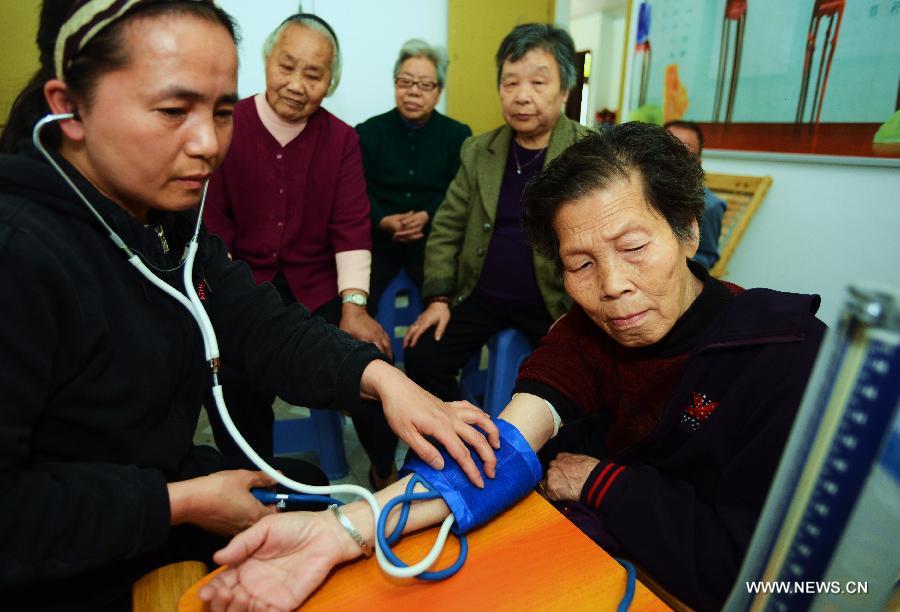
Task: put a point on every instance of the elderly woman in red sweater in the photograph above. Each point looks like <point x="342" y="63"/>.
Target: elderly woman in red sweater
<point x="677" y="391"/>
<point x="290" y="201"/>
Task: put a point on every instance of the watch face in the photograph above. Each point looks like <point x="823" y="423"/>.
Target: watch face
<point x="355" y="298"/>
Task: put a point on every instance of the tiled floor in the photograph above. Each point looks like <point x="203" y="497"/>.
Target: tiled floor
<point x="356" y="456"/>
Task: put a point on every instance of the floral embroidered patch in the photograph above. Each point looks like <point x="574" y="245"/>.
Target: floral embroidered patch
<point x="697" y="412"/>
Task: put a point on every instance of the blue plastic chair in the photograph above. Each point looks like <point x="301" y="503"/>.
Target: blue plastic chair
<point x="492" y="388"/>
<point x="390" y="316"/>
<point x="321" y="432"/>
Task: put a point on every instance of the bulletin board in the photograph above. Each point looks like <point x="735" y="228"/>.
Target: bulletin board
<point x="816" y="77"/>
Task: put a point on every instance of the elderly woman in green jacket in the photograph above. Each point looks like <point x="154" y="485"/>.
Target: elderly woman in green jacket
<point x="480" y="274"/>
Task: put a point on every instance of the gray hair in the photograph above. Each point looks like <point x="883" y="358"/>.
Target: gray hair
<point x="552" y="39"/>
<point x="313" y="23"/>
<point x="416" y="47"/>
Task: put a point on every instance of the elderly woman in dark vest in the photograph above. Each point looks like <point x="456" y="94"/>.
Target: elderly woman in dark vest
<point x="676" y="391"/>
<point x="410" y="155"/>
<point x="480" y="274"/>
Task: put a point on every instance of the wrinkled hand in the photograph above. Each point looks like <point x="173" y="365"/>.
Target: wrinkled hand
<point x="413" y="413"/>
<point x="221" y="502"/>
<point x="357" y="322"/>
<point x="566" y="476"/>
<point x="437" y="314"/>
<point x="391" y="224"/>
<point x="413" y="227"/>
<point x="278" y="562"/>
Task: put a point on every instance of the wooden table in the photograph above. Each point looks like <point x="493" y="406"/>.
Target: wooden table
<point x="528" y="558"/>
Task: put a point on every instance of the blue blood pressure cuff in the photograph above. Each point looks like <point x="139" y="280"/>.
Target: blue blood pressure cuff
<point x="518" y="472"/>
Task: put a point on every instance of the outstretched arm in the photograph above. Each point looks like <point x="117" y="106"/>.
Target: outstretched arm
<point x="282" y="559"/>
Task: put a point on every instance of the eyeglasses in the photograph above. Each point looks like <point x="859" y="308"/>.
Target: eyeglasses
<point x="404" y="83"/>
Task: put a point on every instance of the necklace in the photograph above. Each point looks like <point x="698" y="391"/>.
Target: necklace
<point x="529" y="162"/>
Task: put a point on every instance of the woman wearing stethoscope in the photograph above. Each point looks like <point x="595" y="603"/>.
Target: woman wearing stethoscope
<point x="104" y="352"/>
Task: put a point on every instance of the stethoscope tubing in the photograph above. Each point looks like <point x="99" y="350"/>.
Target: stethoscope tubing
<point x="191" y="302"/>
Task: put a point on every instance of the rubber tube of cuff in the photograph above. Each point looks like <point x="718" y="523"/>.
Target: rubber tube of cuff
<point x="630" y="578"/>
<point x="386" y="541"/>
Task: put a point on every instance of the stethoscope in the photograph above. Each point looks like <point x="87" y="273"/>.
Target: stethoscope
<point x="191" y="301"/>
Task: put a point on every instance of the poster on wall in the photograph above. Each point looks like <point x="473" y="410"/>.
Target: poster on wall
<point x="800" y="76"/>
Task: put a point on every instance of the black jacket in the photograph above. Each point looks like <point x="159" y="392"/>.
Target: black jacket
<point x="102" y="375"/>
<point x="684" y="501"/>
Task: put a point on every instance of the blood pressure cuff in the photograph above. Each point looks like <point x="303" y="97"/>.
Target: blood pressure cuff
<point x="518" y="472"/>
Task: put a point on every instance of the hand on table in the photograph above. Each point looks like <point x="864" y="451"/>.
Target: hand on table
<point x="357" y="322"/>
<point x="278" y="562"/>
<point x="437" y="314"/>
<point x="566" y="476"/>
<point x="413" y="413"/>
<point x="221" y="502"/>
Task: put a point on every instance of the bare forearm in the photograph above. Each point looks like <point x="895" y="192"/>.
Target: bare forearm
<point x="423" y="514"/>
<point x="179" y="502"/>
<point x="531" y="417"/>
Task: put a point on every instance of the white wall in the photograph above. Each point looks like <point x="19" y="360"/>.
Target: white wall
<point x="585" y="32"/>
<point x="603" y="34"/>
<point x="562" y="13"/>
<point x="608" y="65"/>
<point x="820" y="228"/>
<point x="370" y="34"/>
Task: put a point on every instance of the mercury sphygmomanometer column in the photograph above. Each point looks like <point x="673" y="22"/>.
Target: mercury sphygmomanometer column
<point x="835" y="499"/>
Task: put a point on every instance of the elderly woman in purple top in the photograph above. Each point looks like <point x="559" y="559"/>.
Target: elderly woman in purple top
<point x="480" y="274"/>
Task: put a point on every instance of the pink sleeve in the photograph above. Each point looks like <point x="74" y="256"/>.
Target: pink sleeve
<point x="353" y="269"/>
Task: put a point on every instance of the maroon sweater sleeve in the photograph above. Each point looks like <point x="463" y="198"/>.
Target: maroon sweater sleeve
<point x="350" y="224"/>
<point x="560" y="367"/>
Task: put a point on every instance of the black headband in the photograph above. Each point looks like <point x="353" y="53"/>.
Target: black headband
<point x="317" y="19"/>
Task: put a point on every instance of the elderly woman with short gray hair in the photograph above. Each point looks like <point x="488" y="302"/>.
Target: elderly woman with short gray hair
<point x="290" y="201"/>
<point x="480" y="274"/>
<point x="410" y="155"/>
<point x="676" y="391"/>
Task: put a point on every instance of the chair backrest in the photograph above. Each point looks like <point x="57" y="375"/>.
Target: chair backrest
<point x="491" y="387"/>
<point x="743" y="195"/>
<point x="398" y="307"/>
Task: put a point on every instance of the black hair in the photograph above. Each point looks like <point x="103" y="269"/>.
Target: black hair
<point x="529" y="36"/>
<point x="687" y="125"/>
<point x="671" y="177"/>
<point x="104" y="53"/>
